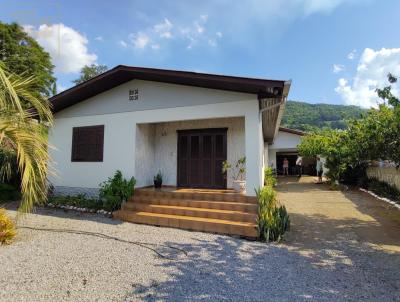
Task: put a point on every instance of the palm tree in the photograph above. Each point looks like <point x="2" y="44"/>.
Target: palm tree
<point x="25" y="118"/>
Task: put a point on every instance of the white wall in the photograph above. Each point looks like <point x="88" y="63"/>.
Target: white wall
<point x="151" y="95"/>
<point x="145" y="154"/>
<point x="120" y="140"/>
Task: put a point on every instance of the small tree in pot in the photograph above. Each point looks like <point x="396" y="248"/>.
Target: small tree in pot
<point x="158" y="180"/>
<point x="238" y="171"/>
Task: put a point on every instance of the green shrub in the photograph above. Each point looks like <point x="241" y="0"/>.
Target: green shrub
<point x="9" y="192"/>
<point x="79" y="201"/>
<point x="7" y="228"/>
<point x="273" y="220"/>
<point x="269" y="177"/>
<point x="116" y="190"/>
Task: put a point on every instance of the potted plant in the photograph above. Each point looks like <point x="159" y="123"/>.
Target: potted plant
<point x="158" y="180"/>
<point x="238" y="171"/>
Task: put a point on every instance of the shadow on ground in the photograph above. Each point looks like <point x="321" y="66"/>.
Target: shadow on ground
<point x="333" y="253"/>
<point x="229" y="269"/>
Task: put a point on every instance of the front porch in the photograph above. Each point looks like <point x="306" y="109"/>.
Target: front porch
<point x="206" y="210"/>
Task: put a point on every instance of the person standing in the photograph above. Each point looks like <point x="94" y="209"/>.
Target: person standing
<point x="285" y="166"/>
<point x="299" y="164"/>
<point x="320" y="170"/>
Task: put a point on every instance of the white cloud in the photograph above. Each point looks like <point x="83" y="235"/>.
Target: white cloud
<point x="157" y="35"/>
<point x="164" y="29"/>
<point x="318" y="6"/>
<point x="99" y="38"/>
<point x="352" y="54"/>
<point x="66" y="46"/>
<point x="336" y="68"/>
<point x="372" y="70"/>
<point x="140" y="40"/>
<point x="122" y="43"/>
<point x="61" y="88"/>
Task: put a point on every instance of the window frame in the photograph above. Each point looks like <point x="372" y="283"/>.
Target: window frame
<point x="76" y="141"/>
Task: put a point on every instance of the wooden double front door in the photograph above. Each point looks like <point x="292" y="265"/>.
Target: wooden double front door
<point x="200" y="157"/>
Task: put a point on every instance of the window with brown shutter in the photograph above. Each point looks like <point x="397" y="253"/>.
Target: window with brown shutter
<point x="87" y="144"/>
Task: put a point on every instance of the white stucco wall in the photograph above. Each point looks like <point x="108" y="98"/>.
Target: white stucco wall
<point x="121" y="134"/>
<point x="145" y="154"/>
<point x="283" y="142"/>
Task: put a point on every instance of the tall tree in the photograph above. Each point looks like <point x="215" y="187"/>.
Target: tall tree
<point x="22" y="55"/>
<point x="89" y="72"/>
<point x="24" y="133"/>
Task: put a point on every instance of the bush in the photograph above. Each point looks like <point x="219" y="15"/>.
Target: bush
<point x="116" y="190"/>
<point x="269" y="178"/>
<point x="354" y="174"/>
<point x="273" y="220"/>
<point x="7" y="228"/>
<point x="9" y="192"/>
<point x="382" y="189"/>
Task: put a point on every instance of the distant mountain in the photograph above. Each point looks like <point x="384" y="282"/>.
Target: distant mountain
<point x="305" y="116"/>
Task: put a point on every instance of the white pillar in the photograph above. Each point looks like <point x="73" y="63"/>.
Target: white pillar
<point x="254" y="150"/>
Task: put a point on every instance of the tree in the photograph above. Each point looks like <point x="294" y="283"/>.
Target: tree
<point x="24" y="133"/>
<point x="22" y="55"/>
<point x="375" y="136"/>
<point x="89" y="72"/>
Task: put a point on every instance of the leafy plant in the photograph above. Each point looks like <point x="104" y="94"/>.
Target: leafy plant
<point x="273" y="220"/>
<point x="269" y="178"/>
<point x="88" y="72"/>
<point x="238" y="170"/>
<point x="24" y="133"/>
<point x="158" y="177"/>
<point x="116" y="190"/>
<point x="7" y="228"/>
<point x="22" y="54"/>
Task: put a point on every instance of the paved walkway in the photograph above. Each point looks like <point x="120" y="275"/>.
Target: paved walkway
<point x="321" y="216"/>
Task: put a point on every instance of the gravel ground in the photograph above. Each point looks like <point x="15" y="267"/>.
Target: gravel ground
<point x="59" y="266"/>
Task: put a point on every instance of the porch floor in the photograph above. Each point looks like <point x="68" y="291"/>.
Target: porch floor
<point x="191" y="190"/>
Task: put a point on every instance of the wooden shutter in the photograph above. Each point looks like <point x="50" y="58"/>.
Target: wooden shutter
<point x="87" y="144"/>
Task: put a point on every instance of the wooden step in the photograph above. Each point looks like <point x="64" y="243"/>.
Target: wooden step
<point x="191" y="211"/>
<point x="246" y="229"/>
<point x="210" y="196"/>
<point x="217" y="205"/>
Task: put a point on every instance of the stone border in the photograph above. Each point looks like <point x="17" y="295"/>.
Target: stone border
<point x="77" y="209"/>
<point x="393" y="203"/>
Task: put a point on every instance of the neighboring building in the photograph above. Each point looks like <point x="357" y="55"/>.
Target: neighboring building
<point x="285" y="146"/>
<point x="142" y="120"/>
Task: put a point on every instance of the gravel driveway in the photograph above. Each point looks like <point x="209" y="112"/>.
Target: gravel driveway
<point x="60" y="266"/>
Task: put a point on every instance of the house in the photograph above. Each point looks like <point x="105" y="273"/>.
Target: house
<point x="184" y="124"/>
<point x="142" y="120"/>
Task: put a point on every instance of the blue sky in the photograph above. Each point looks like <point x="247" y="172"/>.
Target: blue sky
<point x="335" y="51"/>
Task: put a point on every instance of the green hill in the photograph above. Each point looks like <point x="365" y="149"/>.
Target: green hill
<point x="305" y="116"/>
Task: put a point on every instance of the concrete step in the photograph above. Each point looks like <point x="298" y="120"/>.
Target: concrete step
<point x="217" y="205"/>
<point x="230" y="214"/>
<point x="245" y="229"/>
